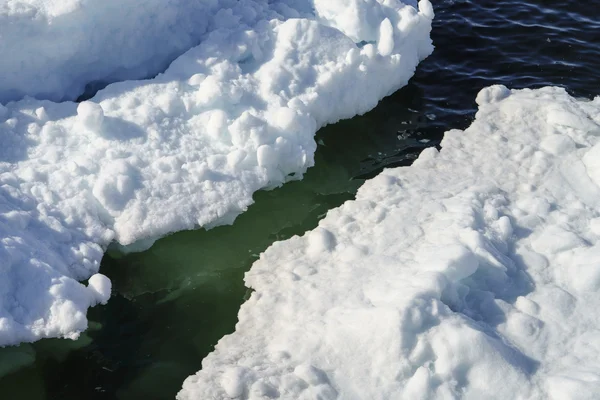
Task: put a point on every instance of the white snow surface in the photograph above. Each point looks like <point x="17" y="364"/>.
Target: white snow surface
<point x="235" y="114"/>
<point x="472" y="274"/>
<point x="54" y="48"/>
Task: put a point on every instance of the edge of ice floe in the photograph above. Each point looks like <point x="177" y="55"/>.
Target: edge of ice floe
<point x="472" y="274"/>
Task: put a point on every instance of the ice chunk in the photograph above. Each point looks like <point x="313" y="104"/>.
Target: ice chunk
<point x="385" y="46"/>
<point x="100" y="287"/>
<point x="492" y="94"/>
<point x="91" y="115"/>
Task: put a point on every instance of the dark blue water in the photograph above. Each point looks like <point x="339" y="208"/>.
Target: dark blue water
<point x="173" y="302"/>
<point x="520" y="44"/>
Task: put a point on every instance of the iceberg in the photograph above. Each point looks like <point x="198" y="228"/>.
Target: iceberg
<point x="234" y="114"/>
<point x="470" y="274"/>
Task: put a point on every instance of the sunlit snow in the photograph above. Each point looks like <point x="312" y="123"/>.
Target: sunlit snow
<point x="187" y="149"/>
<point x="471" y="274"/>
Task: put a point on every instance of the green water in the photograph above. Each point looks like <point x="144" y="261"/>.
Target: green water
<point x="173" y="302"/>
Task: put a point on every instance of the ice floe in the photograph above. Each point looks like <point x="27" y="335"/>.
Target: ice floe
<point x="186" y="149"/>
<point x="472" y="274"/>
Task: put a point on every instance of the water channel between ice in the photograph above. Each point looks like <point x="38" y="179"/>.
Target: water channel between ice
<point x="174" y="301"/>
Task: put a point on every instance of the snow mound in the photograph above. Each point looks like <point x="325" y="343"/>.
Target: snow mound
<point x="472" y="274"/>
<point x="141" y="159"/>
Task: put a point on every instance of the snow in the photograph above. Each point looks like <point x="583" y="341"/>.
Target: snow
<point x="56" y="47"/>
<point x="186" y="149"/>
<point x="474" y="273"/>
<point x="101" y="287"/>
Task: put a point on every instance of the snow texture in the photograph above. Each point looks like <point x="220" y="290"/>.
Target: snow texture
<point x="186" y="149"/>
<point x="472" y="274"/>
<point x="65" y="44"/>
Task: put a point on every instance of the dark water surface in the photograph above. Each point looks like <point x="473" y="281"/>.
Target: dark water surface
<point x="172" y="303"/>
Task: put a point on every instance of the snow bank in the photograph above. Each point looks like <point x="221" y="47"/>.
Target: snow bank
<point x="188" y="148"/>
<point x="472" y="274"/>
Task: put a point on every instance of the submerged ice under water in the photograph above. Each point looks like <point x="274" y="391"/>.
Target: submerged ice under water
<point x="173" y="302"/>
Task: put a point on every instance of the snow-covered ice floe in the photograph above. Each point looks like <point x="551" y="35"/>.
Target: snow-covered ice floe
<point x="235" y="114"/>
<point x="472" y="274"/>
